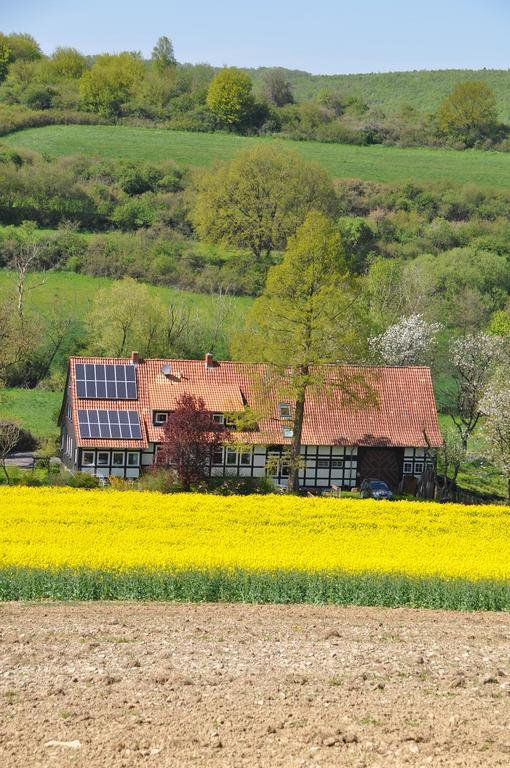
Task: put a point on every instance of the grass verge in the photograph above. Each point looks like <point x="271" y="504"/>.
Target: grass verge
<point x="278" y="587"/>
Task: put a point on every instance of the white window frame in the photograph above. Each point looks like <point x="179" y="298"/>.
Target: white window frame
<point x="103" y="463"/>
<point x="231" y="453"/>
<point x="134" y="454"/>
<point x="323" y="463"/>
<point x="88" y="463"/>
<point x="122" y="456"/>
<point x="288" y="432"/>
<point x="408" y="467"/>
<point x="245" y="458"/>
<point x="219" y="418"/>
<point x="285" y="411"/>
<point x="158" y="421"/>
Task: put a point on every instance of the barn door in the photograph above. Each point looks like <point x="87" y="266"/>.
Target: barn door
<point x="380" y="464"/>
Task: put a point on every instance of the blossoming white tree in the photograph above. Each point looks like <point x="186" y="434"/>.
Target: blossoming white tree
<point x="495" y="406"/>
<point x="408" y="342"/>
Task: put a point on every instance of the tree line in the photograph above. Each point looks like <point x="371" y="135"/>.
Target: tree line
<point x="69" y="87"/>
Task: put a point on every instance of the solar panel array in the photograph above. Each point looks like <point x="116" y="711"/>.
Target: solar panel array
<point x="99" y="380"/>
<point x="109" y="424"/>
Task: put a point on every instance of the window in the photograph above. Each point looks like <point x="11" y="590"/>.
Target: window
<point x="118" y="459"/>
<point x="246" y="458"/>
<point x="231" y="456"/>
<point x="323" y="464"/>
<point x="103" y="458"/>
<point x="408" y="467"/>
<point x="284" y="471"/>
<point x="87" y="458"/>
<point x="418" y="468"/>
<point x="288" y="432"/>
<point x="217" y="455"/>
<point x="133" y="459"/>
<point x="285" y="412"/>
<point x="160" y="417"/>
<point x="219" y="418"/>
<point x="337" y="463"/>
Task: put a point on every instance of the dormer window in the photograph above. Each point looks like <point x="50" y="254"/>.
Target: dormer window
<point x="285" y="411"/>
<point x="288" y="432"/>
<point x="219" y="418"/>
<point x="160" y="418"/>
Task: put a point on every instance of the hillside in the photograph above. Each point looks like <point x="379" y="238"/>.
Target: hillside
<point x="376" y="163"/>
<point x="390" y="90"/>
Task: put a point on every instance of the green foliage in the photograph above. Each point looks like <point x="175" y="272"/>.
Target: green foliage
<point x="111" y="82"/>
<point x="469" y="112"/>
<point x="258" y="200"/>
<point x="22" y="46"/>
<point x="163" y="56"/>
<point x="67" y="63"/>
<point x="230" y="98"/>
<point x="276" y="88"/>
<point x="281" y="587"/>
<point x="5" y="59"/>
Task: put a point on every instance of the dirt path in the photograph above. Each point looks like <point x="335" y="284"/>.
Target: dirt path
<point x="233" y="685"/>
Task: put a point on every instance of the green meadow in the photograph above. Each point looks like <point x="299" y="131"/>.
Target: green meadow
<point x="375" y="163"/>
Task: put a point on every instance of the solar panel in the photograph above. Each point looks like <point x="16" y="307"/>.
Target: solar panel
<point x="124" y="425"/>
<point x="98" y="380"/>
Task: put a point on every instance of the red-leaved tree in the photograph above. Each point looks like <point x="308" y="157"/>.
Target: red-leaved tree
<point x="190" y="435"/>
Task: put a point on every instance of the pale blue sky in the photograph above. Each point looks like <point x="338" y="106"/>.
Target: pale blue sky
<point x="320" y="36"/>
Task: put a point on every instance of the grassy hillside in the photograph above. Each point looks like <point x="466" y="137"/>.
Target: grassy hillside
<point x="377" y="163"/>
<point x="79" y="291"/>
<point x="34" y="409"/>
<point x="390" y="90"/>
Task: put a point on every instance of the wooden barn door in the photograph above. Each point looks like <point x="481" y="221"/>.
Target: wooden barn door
<point x="380" y="464"/>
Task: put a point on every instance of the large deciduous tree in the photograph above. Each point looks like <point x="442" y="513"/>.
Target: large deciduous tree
<point x="258" y="200"/>
<point x="190" y="434"/>
<point x="230" y="98"/>
<point x="305" y="317"/>
<point x="469" y="112"/>
<point x="109" y="84"/>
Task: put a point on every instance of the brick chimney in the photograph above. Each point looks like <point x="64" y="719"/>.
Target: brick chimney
<point x="135" y="358"/>
<point x="209" y="361"/>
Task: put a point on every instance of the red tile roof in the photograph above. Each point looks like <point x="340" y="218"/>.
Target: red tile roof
<point x="401" y="412"/>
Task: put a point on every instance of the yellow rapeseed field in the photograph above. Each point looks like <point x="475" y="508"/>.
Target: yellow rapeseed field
<point x="118" y="531"/>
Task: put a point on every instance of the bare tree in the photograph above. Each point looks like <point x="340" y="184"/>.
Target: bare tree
<point x="25" y="258"/>
<point x="9" y="437"/>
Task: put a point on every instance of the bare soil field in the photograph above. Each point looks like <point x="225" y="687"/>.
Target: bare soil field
<point x="107" y="685"/>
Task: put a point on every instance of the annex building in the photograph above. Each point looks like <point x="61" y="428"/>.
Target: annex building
<point x="114" y="411"/>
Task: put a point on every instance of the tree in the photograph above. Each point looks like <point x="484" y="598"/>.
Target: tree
<point x="25" y="258"/>
<point x="163" y="56"/>
<point x="472" y="362"/>
<point x="190" y="434"/>
<point x="276" y="88"/>
<point x="469" y="112"/>
<point x="5" y="59"/>
<point x="230" y="98"/>
<point x="67" y="63"/>
<point x="23" y="47"/>
<point x="9" y="437"/>
<point x="305" y="317"/>
<point x="108" y="85"/>
<point x="495" y="406"/>
<point x="258" y="200"/>
<point x="407" y="342"/>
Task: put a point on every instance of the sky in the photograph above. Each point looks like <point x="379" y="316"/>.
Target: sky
<point x="319" y="36"/>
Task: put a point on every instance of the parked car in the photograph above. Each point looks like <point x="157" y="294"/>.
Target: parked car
<point x="371" y="488"/>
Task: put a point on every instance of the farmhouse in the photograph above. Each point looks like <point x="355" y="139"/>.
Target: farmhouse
<point x="114" y="411"/>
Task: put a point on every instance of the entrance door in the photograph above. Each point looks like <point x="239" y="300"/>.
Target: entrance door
<point x="380" y="464"/>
